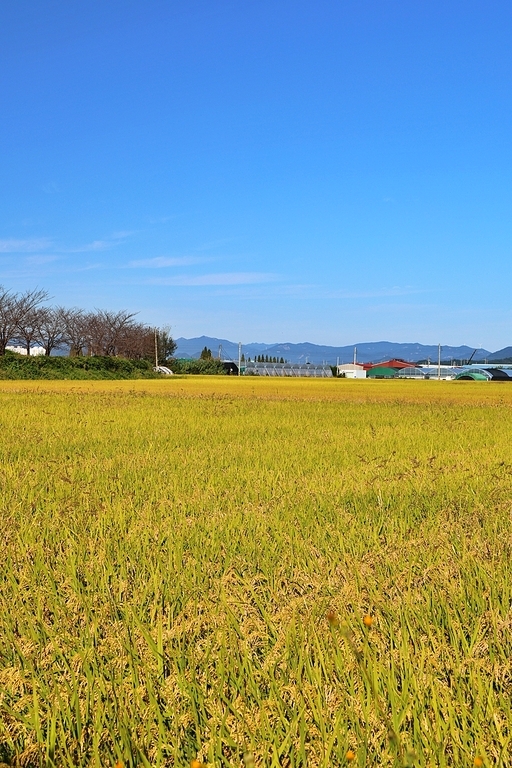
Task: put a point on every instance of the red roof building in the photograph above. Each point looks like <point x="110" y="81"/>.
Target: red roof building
<point x="397" y="364"/>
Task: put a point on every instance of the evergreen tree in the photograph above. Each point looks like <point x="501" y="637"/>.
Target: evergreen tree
<point x="206" y="354"/>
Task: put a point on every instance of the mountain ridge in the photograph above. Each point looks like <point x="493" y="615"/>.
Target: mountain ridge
<point x="366" y="352"/>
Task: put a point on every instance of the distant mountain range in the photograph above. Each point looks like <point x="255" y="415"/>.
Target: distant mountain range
<point x="372" y="352"/>
<point x="501" y="354"/>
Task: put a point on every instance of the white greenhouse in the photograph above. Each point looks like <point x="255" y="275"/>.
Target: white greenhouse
<point x="288" y="369"/>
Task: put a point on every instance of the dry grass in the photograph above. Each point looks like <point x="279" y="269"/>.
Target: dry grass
<point x="172" y="550"/>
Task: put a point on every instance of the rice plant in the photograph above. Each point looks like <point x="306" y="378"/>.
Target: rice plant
<point x="244" y="572"/>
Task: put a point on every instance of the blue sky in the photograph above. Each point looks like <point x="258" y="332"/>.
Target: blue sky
<point x="333" y="172"/>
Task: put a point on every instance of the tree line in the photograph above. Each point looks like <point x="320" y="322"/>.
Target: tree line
<point x="27" y="322"/>
<point x="268" y="359"/>
<point x="206" y="354"/>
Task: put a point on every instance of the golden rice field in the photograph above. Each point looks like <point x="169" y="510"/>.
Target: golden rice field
<point x="245" y="572"/>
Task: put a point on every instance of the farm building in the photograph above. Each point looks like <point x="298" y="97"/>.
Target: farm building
<point x="381" y="372"/>
<point x="393" y="363"/>
<point x="34" y="351"/>
<point x="351" y="371"/>
<point x="411" y="372"/>
<point x="288" y="369"/>
<point x="387" y="369"/>
<point x="230" y="367"/>
<point x="485" y="374"/>
<point x="444" y="372"/>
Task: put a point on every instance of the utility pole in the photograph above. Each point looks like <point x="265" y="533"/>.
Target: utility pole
<point x="439" y="362"/>
<point x="239" y="358"/>
<point x="355" y="355"/>
<point x="156" y="350"/>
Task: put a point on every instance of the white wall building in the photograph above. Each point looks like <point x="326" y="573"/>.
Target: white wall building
<point x="351" y="371"/>
<point x="22" y="351"/>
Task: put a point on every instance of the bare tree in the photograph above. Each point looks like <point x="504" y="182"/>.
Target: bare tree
<point x="76" y="330"/>
<point x="7" y="328"/>
<point x="51" y="328"/>
<point x="15" y="308"/>
<point x="94" y="334"/>
<point x="137" y="342"/>
<point x="101" y="332"/>
<point x="27" y="329"/>
<point x="107" y="331"/>
<point x="166" y="344"/>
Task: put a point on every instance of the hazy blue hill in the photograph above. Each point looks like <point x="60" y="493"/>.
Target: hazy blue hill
<point x="193" y="347"/>
<point x="316" y="353"/>
<point x="370" y="352"/>
<point x="501" y="354"/>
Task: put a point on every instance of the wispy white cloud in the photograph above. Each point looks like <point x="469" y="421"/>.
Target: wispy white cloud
<point x="377" y="293"/>
<point x="159" y="262"/>
<point x="96" y="245"/>
<point x="122" y="234"/>
<point x="101" y="245"/>
<point x="28" y="245"/>
<point x="33" y="244"/>
<point x="87" y="267"/>
<point x="315" y="291"/>
<point x="41" y="259"/>
<point x="42" y="266"/>
<point x="215" y="244"/>
<point x="218" y="278"/>
<point x="161" y="219"/>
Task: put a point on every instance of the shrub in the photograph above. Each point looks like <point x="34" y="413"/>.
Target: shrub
<point x="201" y="367"/>
<point x="13" y="366"/>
